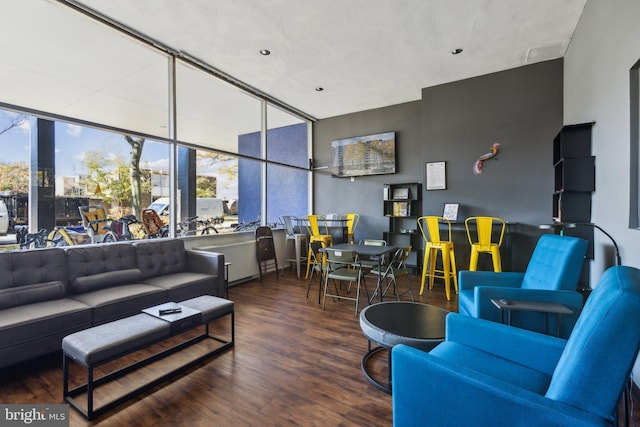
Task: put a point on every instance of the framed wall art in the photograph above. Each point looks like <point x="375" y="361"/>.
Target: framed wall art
<point x="401" y="193"/>
<point x="436" y="176"/>
<point x="450" y="211"/>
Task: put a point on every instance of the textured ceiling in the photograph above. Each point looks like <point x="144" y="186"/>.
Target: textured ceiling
<point x="364" y="53"/>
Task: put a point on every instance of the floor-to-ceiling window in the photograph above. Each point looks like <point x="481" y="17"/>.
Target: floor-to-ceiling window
<point x="287" y="181"/>
<point x="14" y="167"/>
<point x="240" y="149"/>
<point x="94" y="168"/>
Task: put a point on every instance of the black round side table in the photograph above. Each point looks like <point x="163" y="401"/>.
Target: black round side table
<point x="400" y="322"/>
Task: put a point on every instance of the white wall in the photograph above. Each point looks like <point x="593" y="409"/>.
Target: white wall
<point x="240" y="250"/>
<point x="596" y="88"/>
<point x="605" y="46"/>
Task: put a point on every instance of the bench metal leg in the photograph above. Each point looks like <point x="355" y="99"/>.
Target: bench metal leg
<point x="90" y="392"/>
<point x="93" y="383"/>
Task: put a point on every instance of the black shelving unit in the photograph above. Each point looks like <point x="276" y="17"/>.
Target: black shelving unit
<point x="402" y="205"/>
<point x="574" y="182"/>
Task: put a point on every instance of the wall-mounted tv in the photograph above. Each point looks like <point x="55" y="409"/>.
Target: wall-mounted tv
<point x="364" y="155"/>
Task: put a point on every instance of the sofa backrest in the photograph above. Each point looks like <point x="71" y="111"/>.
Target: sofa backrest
<point x="160" y="257"/>
<point x="556" y="263"/>
<point x="32" y="276"/>
<point x="601" y="350"/>
<point x="101" y="266"/>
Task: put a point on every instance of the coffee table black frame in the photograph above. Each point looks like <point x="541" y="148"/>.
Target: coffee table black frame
<point x="181" y="322"/>
<point x="399" y="322"/>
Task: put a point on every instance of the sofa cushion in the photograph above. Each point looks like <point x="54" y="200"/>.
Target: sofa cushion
<point x="98" y="267"/>
<point x="182" y="286"/>
<point x="109" y="279"/>
<point x="160" y="257"/>
<point x="29" y="294"/>
<point x="34" y="266"/>
<point x="34" y="329"/>
<point x="121" y="301"/>
<point x="29" y="322"/>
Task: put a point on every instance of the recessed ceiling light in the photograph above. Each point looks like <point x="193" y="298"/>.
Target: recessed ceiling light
<point x="319" y="89"/>
<point x="265" y="52"/>
<point x="456" y="51"/>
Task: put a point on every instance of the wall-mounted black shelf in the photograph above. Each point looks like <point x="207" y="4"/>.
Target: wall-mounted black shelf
<point x="574" y="174"/>
<point x="574" y="180"/>
<point x="403" y="213"/>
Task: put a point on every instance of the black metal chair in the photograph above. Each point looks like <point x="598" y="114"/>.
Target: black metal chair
<point x="316" y="266"/>
<point x="265" y="249"/>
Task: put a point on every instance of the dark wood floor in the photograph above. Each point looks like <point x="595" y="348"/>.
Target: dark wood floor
<point x="293" y="364"/>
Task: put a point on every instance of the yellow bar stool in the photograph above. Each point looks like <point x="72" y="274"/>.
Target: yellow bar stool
<point x="430" y="228"/>
<point x="482" y="240"/>
<point x="313" y="229"/>
<point x="352" y="223"/>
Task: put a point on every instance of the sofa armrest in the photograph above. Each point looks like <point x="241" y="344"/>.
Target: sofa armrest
<point x="531" y="349"/>
<point x="428" y="390"/>
<point x="207" y="263"/>
<point x="470" y="279"/>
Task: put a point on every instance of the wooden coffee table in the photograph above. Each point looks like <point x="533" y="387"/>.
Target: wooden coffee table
<point x="399" y="322"/>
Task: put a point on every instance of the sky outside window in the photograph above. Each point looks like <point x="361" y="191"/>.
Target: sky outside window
<point x="73" y="142"/>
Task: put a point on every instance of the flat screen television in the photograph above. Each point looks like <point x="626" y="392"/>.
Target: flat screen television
<point x="364" y="155"/>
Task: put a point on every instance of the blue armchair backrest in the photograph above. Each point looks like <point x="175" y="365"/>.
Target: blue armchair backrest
<point x="556" y="263"/>
<point x="603" y="346"/>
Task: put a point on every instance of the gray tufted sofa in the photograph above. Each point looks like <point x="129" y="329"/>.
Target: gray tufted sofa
<point x="49" y="293"/>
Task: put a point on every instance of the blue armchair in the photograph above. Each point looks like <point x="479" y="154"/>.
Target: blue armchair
<point x="490" y="374"/>
<point x="551" y="276"/>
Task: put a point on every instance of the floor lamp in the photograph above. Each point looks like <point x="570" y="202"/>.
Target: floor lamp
<point x="590" y="224"/>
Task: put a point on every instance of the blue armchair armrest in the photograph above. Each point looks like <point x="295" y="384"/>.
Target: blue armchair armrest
<point x="431" y="391"/>
<point x="467" y="280"/>
<point x="530" y="349"/>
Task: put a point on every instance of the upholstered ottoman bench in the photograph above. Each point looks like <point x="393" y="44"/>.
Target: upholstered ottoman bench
<point x="98" y="345"/>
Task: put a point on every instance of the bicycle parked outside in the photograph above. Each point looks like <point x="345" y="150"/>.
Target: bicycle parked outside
<point x="192" y="226"/>
<point x="154" y="226"/>
<point x="247" y="226"/>
<point x="120" y="229"/>
<point x="59" y="236"/>
<point x="207" y="225"/>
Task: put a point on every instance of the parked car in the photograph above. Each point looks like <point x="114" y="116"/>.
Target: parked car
<point x="205" y="207"/>
<point x="4" y="218"/>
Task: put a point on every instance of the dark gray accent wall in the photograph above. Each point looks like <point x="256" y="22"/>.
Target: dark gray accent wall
<point x="363" y="195"/>
<point x="521" y="109"/>
<point x="457" y="123"/>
